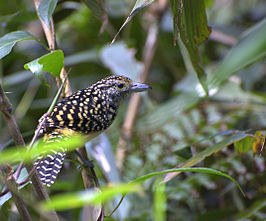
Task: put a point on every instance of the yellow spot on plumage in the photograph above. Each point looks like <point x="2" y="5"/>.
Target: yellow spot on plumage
<point x="80" y="116"/>
<point x="69" y="116"/>
<point x="59" y="118"/>
<point x="70" y="123"/>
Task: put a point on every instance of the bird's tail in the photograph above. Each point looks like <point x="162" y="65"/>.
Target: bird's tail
<point x="50" y="166"/>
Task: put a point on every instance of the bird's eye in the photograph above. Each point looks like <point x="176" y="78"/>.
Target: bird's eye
<point x="120" y="86"/>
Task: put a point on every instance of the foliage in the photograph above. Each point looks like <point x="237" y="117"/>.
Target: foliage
<point x="206" y="109"/>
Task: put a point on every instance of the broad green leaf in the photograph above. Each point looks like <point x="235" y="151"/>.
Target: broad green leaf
<point x="8" y="41"/>
<point x="205" y="153"/>
<point x="52" y="63"/>
<point x="187" y="169"/>
<point x="190" y="24"/>
<point x="139" y="5"/>
<point x="160" y="199"/>
<point x="19" y="153"/>
<point x="75" y="200"/>
<point x="251" y="47"/>
<point x="244" y="145"/>
<point x="46" y="9"/>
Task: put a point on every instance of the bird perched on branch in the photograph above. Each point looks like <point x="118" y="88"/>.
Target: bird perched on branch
<point x="88" y="111"/>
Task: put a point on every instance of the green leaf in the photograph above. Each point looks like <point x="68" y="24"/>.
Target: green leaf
<point x="52" y="63"/>
<point x="251" y="47"/>
<point x="209" y="151"/>
<point x="189" y="169"/>
<point x="244" y="145"/>
<point x="75" y="200"/>
<point x="8" y="41"/>
<point x="190" y="23"/>
<point x="19" y="153"/>
<point x="160" y="200"/>
<point x="139" y="5"/>
<point x="46" y="9"/>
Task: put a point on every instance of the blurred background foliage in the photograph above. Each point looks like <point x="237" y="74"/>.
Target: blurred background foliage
<point x="174" y="122"/>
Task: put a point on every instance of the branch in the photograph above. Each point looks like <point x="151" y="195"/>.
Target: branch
<point x="90" y="181"/>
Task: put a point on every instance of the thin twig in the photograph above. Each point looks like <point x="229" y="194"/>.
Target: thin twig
<point x="119" y="203"/>
<point x="222" y="37"/>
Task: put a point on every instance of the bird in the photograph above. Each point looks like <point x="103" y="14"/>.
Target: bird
<point x="89" y="111"/>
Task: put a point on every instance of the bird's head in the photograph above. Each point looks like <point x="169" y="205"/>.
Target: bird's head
<point x="118" y="87"/>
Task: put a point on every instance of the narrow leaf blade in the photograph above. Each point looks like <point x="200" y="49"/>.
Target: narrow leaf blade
<point x="190" y="23"/>
<point x="250" y="48"/>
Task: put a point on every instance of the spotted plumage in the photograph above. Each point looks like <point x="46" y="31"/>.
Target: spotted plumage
<point x="87" y="111"/>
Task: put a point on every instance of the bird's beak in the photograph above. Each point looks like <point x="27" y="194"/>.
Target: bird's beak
<point x="138" y="87"/>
